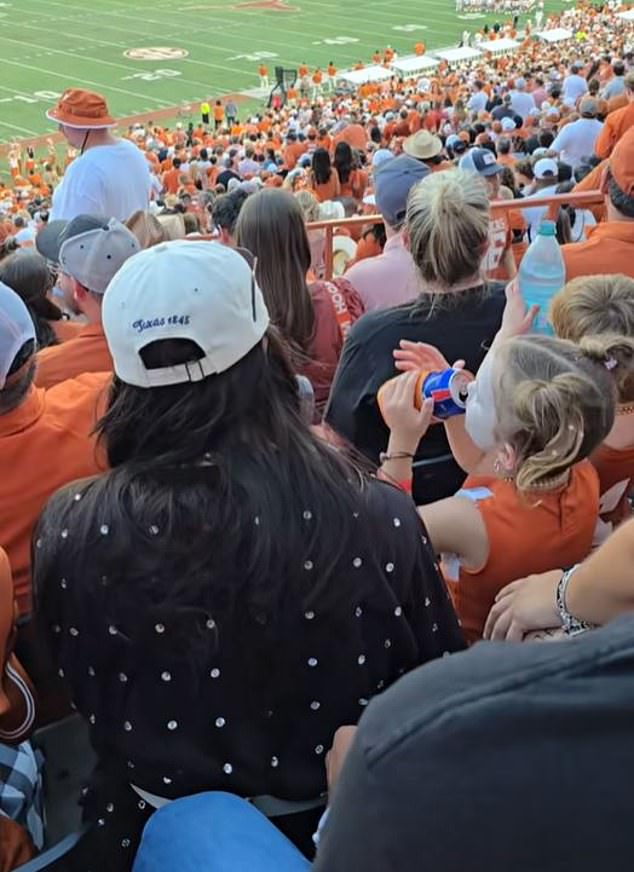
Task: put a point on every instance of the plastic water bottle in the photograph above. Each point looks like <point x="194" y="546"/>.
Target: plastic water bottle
<point x="542" y="274"/>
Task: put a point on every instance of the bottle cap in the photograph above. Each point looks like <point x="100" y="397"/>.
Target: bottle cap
<point x="547" y="228"/>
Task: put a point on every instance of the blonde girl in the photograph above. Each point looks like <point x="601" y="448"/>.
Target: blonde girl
<point x="603" y="305"/>
<point x="539" y="408"/>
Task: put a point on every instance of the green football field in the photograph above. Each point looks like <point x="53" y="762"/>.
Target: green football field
<point x="147" y="56"/>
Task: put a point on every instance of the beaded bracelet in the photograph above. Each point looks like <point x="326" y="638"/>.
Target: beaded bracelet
<point x="571" y="625"/>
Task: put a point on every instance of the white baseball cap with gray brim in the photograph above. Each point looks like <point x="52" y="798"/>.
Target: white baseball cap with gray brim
<point x="16" y="329"/>
<point x="201" y="291"/>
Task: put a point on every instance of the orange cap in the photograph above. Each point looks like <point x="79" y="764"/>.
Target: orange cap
<point x="81" y="109"/>
<point x="622" y="163"/>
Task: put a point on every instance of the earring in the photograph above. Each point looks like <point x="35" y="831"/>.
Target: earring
<point x="497" y="466"/>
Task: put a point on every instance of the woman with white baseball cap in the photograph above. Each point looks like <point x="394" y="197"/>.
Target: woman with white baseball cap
<point x="232" y="590"/>
<point x="110" y="176"/>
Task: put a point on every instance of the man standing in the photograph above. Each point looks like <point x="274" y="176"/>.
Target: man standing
<point x="111" y="176"/>
<point x="574" y="86"/>
<point x="89" y="251"/>
<point x="575" y="142"/>
<point x="522" y="103"/>
<point x="204" y="112"/>
<point x="231" y="111"/>
<point x="263" y="73"/>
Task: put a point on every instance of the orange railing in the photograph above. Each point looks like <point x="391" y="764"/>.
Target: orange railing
<point x="585" y="198"/>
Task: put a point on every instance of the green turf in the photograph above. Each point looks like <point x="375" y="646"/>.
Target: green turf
<point x="48" y="45"/>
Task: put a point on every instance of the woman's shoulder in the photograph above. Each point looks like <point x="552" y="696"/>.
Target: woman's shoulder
<point x="334" y="293"/>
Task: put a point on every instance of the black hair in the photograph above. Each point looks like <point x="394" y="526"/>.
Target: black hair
<point x="321" y="166"/>
<point x="221" y="498"/>
<point x="343" y="161"/>
<point x="27" y="273"/>
<point x="227" y="208"/>
<point x="619" y="199"/>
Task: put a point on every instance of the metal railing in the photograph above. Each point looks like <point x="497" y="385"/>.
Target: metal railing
<point x="554" y="201"/>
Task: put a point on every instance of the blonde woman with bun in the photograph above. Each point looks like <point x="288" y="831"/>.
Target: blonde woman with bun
<point x="446" y="229"/>
<point x="538" y="410"/>
<point x="603" y="306"/>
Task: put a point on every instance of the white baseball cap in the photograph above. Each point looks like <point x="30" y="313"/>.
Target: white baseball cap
<point x="546" y="168"/>
<point x="16" y="328"/>
<point x="201" y="291"/>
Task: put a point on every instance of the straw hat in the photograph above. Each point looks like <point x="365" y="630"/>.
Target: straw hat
<point x="82" y="109"/>
<point x="422" y="145"/>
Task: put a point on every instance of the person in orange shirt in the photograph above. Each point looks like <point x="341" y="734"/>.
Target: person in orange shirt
<point x="264" y="76"/>
<point x="219" y="114"/>
<point x="88" y="253"/>
<point x="302" y="72"/>
<point x="323" y="177"/>
<point x="420" y="48"/>
<point x="170" y="178"/>
<point x="608" y="248"/>
<point x="291" y="95"/>
<point x="388" y="56"/>
<point x="537" y="410"/>
<point x="45" y="438"/>
<point x="498" y="263"/>
<point x="332" y="76"/>
<point x="293" y="151"/>
<point x="359" y="65"/>
<point x="317" y="80"/>
<point x="377" y="57"/>
<point x="596" y="306"/>
<point x="617" y="123"/>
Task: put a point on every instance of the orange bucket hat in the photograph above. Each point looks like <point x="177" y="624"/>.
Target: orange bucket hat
<point x="81" y="109"/>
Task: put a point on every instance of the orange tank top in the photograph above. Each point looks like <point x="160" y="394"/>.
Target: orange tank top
<point x="527" y="534"/>
<point x="615" y="467"/>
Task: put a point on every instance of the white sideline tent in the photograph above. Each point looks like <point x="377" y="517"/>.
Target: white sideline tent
<point x="626" y="16"/>
<point x="499" y="46"/>
<point x="413" y="64"/>
<point x="457" y="55"/>
<point x="557" y="34"/>
<point x="373" y="73"/>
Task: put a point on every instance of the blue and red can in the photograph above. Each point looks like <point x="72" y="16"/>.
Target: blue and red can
<point x="448" y="390"/>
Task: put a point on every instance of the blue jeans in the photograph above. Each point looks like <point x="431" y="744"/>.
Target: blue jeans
<point x="215" y="832"/>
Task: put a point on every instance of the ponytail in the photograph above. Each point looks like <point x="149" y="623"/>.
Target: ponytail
<point x="550" y="409"/>
<point x="615" y="353"/>
<point x="558" y="401"/>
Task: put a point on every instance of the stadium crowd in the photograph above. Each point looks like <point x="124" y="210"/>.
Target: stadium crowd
<point x="234" y="531"/>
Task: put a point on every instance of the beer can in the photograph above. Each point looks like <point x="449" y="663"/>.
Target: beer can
<point x="448" y="390"/>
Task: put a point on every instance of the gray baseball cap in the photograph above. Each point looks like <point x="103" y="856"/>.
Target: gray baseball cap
<point x="90" y="248"/>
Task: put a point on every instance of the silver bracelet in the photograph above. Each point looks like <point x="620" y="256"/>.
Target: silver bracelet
<point x="571" y="625"/>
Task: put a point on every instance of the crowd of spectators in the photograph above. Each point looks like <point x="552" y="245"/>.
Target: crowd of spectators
<point x="230" y="524"/>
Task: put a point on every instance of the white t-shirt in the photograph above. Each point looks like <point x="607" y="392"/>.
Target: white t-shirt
<point x="576" y="141"/>
<point x="477" y="102"/>
<point x="574" y="87"/>
<point x="522" y="103"/>
<point x="109" y="180"/>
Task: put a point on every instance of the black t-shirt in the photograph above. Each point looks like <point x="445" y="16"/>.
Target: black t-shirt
<point x="225" y="177"/>
<point x="225" y="701"/>
<point x="461" y="329"/>
<point x="506" y="757"/>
